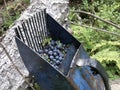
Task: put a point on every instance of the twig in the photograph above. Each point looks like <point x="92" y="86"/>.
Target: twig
<point x="97" y="29"/>
<point x="6" y="8"/>
<point x="88" y="13"/>
<point x="94" y="28"/>
<point x="16" y="66"/>
<point x="1" y="37"/>
<point x="5" y="4"/>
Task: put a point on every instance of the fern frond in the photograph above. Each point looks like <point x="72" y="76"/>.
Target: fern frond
<point x="105" y="43"/>
<point x="107" y="55"/>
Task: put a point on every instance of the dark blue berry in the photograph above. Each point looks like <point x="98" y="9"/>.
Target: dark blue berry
<point x="51" y="57"/>
<point x="54" y="53"/>
<point x="57" y="57"/>
<point x="51" y="62"/>
<point x="50" y="52"/>
<point x="61" y="55"/>
<point x="55" y="49"/>
<point x="59" y="46"/>
<point x="46" y="50"/>
<point x="52" y="42"/>
<point x="40" y="51"/>
<point x="57" y="62"/>
<point x="54" y="60"/>
<point x="60" y="58"/>
<point x="51" y="47"/>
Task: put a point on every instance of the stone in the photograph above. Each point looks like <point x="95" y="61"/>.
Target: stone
<point x="10" y="79"/>
<point x="58" y="9"/>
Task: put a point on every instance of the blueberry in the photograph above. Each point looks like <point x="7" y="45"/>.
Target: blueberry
<point x="57" y="57"/>
<point x="52" y="42"/>
<point x="50" y="52"/>
<point x="55" y="49"/>
<point x="61" y="55"/>
<point x="55" y="66"/>
<point x="54" y="53"/>
<point x="51" y="47"/>
<point x="40" y="51"/>
<point x="51" y="57"/>
<point x="59" y="46"/>
<point x="57" y="62"/>
<point x="54" y="60"/>
<point x="51" y="62"/>
<point x="60" y="58"/>
<point x="58" y="51"/>
<point x="46" y="50"/>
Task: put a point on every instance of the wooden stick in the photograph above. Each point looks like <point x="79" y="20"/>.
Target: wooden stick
<point x="97" y="29"/>
<point x="88" y="13"/>
<point x="16" y="66"/>
<point x="6" y="8"/>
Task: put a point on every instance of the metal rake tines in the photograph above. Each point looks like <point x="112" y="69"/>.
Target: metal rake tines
<point x="33" y="31"/>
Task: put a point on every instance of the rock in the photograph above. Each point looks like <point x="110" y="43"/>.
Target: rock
<point x="58" y="9"/>
<point x="115" y="84"/>
<point x="10" y="79"/>
<point x="70" y="31"/>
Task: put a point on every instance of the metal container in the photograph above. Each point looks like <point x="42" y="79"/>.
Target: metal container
<point x="77" y="72"/>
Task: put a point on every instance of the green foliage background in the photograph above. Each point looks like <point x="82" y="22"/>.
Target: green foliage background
<point x="102" y="46"/>
<point x="15" y="7"/>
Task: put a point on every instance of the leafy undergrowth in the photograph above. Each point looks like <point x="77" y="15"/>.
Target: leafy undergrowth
<point x="10" y="11"/>
<point x="101" y="46"/>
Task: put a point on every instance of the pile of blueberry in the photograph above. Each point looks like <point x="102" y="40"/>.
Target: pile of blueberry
<point x="54" y="52"/>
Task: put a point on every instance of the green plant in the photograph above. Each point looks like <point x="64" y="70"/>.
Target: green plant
<point x="102" y="46"/>
<point x="26" y="1"/>
<point x="12" y="12"/>
<point x="36" y="86"/>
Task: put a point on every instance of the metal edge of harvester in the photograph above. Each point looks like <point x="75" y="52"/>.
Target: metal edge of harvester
<point x="82" y="59"/>
<point x="59" y="33"/>
<point x="41" y="69"/>
<point x="44" y="74"/>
